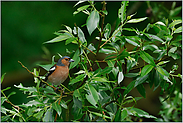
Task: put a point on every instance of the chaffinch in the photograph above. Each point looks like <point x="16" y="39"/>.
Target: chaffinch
<point x="60" y="71"/>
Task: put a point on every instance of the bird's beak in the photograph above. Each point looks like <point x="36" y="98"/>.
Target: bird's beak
<point x="71" y="60"/>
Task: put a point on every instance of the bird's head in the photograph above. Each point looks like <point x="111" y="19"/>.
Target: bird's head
<point x="64" y="61"/>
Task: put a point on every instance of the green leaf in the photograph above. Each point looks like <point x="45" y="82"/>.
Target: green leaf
<point x="61" y="37"/>
<point x="123" y="55"/>
<point x="2" y="100"/>
<point x="12" y="93"/>
<point x="162" y="71"/>
<point x="130" y="75"/>
<point x="107" y="31"/>
<point x="101" y="79"/>
<point x="48" y="116"/>
<point x="118" y="116"/>
<point x="76" y="59"/>
<point x="147" y="58"/>
<point x="92" y="21"/>
<point x="162" y="62"/>
<point x="151" y="47"/>
<point x="129" y="87"/>
<point x="57" y="108"/>
<point x="77" y="102"/>
<point x="146" y="69"/>
<point x="26" y="89"/>
<point x="77" y="79"/>
<point x="139" y="112"/>
<point x="72" y="39"/>
<point x="134" y="40"/>
<point x="141" y="90"/>
<point x="47" y="66"/>
<point x="2" y="77"/>
<point x="6" y="88"/>
<point x="141" y="80"/>
<point x="120" y="77"/>
<point x="122" y="11"/>
<point x="136" y="20"/>
<point x="175" y="22"/>
<point x="81" y="36"/>
<point x="178" y="30"/>
<point x="63" y="104"/>
<point x="154" y="37"/>
<point x="106" y="51"/>
<point x="82" y="8"/>
<point x="38" y="115"/>
<point x="93" y="95"/>
<point x="172" y="50"/>
<point x="124" y="114"/>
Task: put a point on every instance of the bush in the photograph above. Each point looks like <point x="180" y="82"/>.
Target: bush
<point x="98" y="93"/>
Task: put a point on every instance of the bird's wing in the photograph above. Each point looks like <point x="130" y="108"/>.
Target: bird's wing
<point x="52" y="69"/>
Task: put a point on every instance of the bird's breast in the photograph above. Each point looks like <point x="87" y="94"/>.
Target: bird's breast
<point x="59" y="75"/>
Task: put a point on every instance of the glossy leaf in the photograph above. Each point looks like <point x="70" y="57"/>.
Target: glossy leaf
<point x="48" y="116"/>
<point x="118" y="116"/>
<point x="124" y="114"/>
<point x="150" y="47"/>
<point x="146" y="69"/>
<point x="61" y="37"/>
<point x="154" y="38"/>
<point x="141" y="90"/>
<point x="162" y="62"/>
<point x="77" y="79"/>
<point x="93" y="95"/>
<point x="123" y="54"/>
<point x="92" y="21"/>
<point x="134" y="40"/>
<point x="63" y="104"/>
<point x="147" y="58"/>
<point x="57" y="108"/>
<point x="139" y="112"/>
<point x="140" y="80"/>
<point x="129" y="87"/>
<point x="178" y="30"/>
<point x="120" y="77"/>
<point x="122" y="11"/>
<point x="107" y="31"/>
<point x="82" y="8"/>
<point x="175" y="22"/>
<point x="2" y="77"/>
<point x="162" y="71"/>
<point x="81" y="36"/>
<point x="136" y="20"/>
<point x="76" y="59"/>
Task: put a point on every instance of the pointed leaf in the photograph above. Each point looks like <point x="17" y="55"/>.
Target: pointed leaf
<point x="2" y="77"/>
<point x="77" y="79"/>
<point x="146" y="69"/>
<point x="48" y="117"/>
<point x="120" y="77"/>
<point x="141" y="90"/>
<point x="92" y="21"/>
<point x="93" y="95"/>
<point x="76" y="59"/>
<point x="61" y="37"/>
<point x="136" y="20"/>
<point x="57" y="108"/>
<point x="147" y="58"/>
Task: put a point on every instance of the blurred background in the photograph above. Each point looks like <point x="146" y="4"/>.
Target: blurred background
<point x="25" y="26"/>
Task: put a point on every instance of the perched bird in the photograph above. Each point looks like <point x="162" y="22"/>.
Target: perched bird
<point x="60" y="71"/>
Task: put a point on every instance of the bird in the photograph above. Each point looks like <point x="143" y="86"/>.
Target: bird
<point x="59" y="72"/>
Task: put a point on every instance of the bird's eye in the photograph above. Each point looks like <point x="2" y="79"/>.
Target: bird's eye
<point x="67" y="59"/>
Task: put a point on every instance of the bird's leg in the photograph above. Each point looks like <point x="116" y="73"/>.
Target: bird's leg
<point x="62" y="89"/>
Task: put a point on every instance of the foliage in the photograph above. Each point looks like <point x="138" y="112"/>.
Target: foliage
<point x="96" y="94"/>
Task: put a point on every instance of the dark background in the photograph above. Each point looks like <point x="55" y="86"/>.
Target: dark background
<point x="25" y="26"/>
